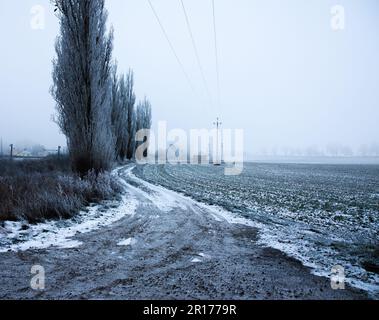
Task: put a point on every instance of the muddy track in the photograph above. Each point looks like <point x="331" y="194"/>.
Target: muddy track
<point x="171" y="248"/>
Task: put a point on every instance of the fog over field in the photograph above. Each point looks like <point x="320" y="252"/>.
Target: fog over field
<point x="287" y="78"/>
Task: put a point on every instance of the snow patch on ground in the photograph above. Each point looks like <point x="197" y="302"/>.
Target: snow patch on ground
<point x="162" y="198"/>
<point x="71" y="244"/>
<point x="202" y="255"/>
<point x="127" y="242"/>
<point x="205" y="256"/>
<point x="16" y="236"/>
<point x="272" y="237"/>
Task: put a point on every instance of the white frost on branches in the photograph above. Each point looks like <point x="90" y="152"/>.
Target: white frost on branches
<point x="82" y="83"/>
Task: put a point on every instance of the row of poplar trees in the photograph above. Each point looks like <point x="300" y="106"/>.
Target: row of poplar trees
<point x="96" y="107"/>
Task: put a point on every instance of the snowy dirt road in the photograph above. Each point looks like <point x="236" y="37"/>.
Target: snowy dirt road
<point x="167" y="247"/>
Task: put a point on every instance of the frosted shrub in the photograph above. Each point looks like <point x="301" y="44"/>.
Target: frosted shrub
<point x="39" y="196"/>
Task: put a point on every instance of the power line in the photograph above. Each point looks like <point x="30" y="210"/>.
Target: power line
<point x="216" y="50"/>
<point x="171" y="45"/>
<point x="196" y="51"/>
<point x="218" y="124"/>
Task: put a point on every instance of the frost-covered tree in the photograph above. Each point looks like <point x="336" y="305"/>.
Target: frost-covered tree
<point x="82" y="83"/>
<point x="123" y="114"/>
<point x="116" y="111"/>
<point x="115" y="91"/>
<point x="131" y="124"/>
<point x="143" y="118"/>
<point x="120" y="117"/>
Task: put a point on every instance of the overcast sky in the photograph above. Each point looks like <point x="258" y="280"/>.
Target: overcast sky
<point x="286" y="77"/>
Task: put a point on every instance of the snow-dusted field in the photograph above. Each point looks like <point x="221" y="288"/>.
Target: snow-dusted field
<point x="323" y="215"/>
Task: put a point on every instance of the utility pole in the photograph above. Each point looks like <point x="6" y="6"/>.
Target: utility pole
<point x="11" y="146"/>
<point x="59" y="151"/>
<point x="218" y="125"/>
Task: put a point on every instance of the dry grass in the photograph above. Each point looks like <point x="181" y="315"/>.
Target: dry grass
<point x="46" y="189"/>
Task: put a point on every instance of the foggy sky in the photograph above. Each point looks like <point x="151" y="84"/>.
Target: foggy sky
<point x="286" y="77"/>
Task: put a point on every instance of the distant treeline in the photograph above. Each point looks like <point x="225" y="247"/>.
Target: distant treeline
<point x="96" y="107"/>
<point x="331" y="150"/>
